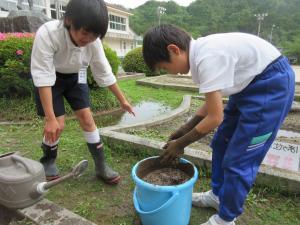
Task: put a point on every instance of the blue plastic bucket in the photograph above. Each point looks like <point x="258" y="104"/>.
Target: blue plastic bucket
<point x="163" y="205"/>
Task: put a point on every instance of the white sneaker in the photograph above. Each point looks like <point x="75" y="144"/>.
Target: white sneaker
<point x="206" y="199"/>
<point x="216" y="220"/>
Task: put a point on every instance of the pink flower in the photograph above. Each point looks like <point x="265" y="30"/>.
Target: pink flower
<point x="2" y="36"/>
<point x="19" y="52"/>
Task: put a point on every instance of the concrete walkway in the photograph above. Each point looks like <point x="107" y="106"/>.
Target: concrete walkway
<point x="43" y="212"/>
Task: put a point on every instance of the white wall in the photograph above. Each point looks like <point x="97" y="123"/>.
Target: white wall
<point x="118" y="45"/>
<point x="3" y="13"/>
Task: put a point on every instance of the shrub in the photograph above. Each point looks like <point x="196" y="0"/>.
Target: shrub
<point x="15" y="51"/>
<point x="14" y="81"/>
<point x="17" y="47"/>
<point x="113" y="60"/>
<point x="134" y="62"/>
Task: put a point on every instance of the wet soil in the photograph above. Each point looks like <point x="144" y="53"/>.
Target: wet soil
<point x="154" y="172"/>
<point x="166" y="177"/>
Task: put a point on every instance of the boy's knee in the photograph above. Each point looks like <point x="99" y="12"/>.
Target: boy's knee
<point x="86" y="120"/>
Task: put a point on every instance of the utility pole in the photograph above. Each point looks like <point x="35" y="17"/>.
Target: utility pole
<point x="260" y="17"/>
<point x="160" y="10"/>
<point x="271" y="34"/>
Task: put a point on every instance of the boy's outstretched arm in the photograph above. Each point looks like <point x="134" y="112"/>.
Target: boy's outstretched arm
<point x="214" y="108"/>
<point x="52" y="129"/>
<point x="114" y="88"/>
<point x="190" y="124"/>
<point x="185" y="128"/>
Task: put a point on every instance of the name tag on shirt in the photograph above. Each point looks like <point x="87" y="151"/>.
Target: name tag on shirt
<point x="82" y="75"/>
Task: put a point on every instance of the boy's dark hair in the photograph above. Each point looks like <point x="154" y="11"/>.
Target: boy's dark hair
<point x="91" y="15"/>
<point x="158" y="38"/>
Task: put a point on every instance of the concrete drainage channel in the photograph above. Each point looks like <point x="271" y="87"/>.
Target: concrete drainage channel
<point x="269" y="176"/>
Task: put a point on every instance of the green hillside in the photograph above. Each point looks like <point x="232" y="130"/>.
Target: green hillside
<point x="204" y="17"/>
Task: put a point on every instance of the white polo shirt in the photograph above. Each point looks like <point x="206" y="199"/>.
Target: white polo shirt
<point x="54" y="51"/>
<point x="228" y="61"/>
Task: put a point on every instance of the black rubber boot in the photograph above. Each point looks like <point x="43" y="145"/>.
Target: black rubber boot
<point x="103" y="171"/>
<point x="48" y="161"/>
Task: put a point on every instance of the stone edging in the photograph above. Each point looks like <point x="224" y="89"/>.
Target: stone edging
<point x="149" y="82"/>
<point x="295" y="108"/>
<point x="46" y="212"/>
<point x="285" y="180"/>
<point x="136" y="75"/>
<point x="43" y="212"/>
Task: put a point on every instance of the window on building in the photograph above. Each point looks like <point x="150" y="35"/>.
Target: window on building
<point x="117" y="22"/>
<point x="57" y="10"/>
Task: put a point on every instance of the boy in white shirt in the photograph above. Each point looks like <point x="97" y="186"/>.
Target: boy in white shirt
<point x="260" y="84"/>
<point x="61" y="53"/>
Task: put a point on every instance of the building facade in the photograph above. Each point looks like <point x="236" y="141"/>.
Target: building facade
<point x="119" y="36"/>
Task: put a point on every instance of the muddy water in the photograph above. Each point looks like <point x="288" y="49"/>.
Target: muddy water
<point x="144" y="111"/>
<point x="166" y="176"/>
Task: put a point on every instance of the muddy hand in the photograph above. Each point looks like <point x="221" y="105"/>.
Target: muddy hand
<point x="165" y="146"/>
<point x="174" y="162"/>
<point x="172" y="151"/>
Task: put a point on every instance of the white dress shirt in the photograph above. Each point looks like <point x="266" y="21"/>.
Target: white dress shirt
<point x="53" y="50"/>
<point x="228" y="61"/>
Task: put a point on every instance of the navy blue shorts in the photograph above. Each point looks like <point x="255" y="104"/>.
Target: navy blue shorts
<point x="66" y="85"/>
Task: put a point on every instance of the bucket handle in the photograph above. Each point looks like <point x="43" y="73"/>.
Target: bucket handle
<point x="163" y="206"/>
<point x="20" y="159"/>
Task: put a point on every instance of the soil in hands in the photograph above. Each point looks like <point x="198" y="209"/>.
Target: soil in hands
<point x="166" y="177"/>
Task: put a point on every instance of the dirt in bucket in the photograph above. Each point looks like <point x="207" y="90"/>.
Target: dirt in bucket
<point x="151" y="171"/>
<point x="166" y="176"/>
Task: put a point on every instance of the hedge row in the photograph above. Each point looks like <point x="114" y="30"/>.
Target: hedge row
<point x="15" y="52"/>
<point x="134" y="62"/>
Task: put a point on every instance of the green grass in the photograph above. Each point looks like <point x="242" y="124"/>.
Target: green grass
<point x="101" y="99"/>
<point x="107" y="205"/>
<point x="136" y="93"/>
<point x="25" y="109"/>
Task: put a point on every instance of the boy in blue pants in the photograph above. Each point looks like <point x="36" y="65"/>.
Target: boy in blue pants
<point x="260" y="84"/>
